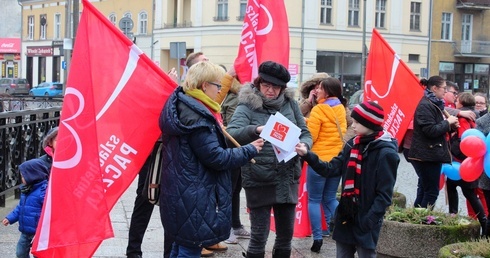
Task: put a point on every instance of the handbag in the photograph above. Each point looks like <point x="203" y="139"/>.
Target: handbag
<point x="151" y="189"/>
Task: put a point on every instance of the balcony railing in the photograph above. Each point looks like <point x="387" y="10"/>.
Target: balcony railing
<point x="21" y="134"/>
<point x="240" y="18"/>
<point x="221" y="18"/>
<point x="185" y="24"/>
<point x="472" y="48"/>
<point x="473" y="4"/>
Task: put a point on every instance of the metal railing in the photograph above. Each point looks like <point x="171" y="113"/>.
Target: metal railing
<point x="185" y="24"/>
<point x="21" y="134"/>
<point x="472" y="48"/>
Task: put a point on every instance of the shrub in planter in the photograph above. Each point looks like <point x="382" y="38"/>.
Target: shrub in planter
<point x="399" y="200"/>
<point x="479" y="248"/>
<point x="418" y="232"/>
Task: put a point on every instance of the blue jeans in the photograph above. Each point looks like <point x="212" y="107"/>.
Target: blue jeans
<point x="322" y="191"/>
<point x="180" y="251"/>
<point x="428" y="183"/>
<point x="24" y="246"/>
<point x="260" y="220"/>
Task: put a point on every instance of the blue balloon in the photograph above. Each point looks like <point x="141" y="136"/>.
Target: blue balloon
<point x="452" y="170"/>
<point x="474" y="132"/>
<point x="486" y="163"/>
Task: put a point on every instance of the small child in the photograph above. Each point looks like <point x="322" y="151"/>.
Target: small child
<point x="368" y="166"/>
<point x="34" y="175"/>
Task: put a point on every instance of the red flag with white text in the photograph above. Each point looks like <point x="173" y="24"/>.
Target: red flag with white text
<point x="265" y="36"/>
<point x="108" y="126"/>
<point x="391" y="83"/>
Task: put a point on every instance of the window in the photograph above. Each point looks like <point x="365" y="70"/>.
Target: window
<point x="30" y="27"/>
<point x="413" y="58"/>
<point x="143" y="23"/>
<point x="127" y="14"/>
<point x="353" y="12"/>
<point x="113" y="18"/>
<point x="380" y="13"/>
<point x="446" y="28"/>
<point x="415" y="16"/>
<point x="222" y="10"/>
<point x="243" y="9"/>
<point x="42" y="27"/>
<point x="326" y="12"/>
<point x="57" y="26"/>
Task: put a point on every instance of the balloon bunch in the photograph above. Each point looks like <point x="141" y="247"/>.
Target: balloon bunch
<point x="474" y="146"/>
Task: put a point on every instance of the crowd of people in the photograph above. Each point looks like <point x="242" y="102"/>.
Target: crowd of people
<point x="211" y="148"/>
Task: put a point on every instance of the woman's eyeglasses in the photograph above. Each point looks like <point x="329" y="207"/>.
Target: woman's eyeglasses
<point x="270" y="85"/>
<point x="216" y="84"/>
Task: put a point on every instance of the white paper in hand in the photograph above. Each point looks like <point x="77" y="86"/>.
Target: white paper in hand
<point x="281" y="132"/>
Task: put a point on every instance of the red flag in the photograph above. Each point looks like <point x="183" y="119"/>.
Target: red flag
<point x="393" y="85"/>
<point x="108" y="126"/>
<point x="265" y="36"/>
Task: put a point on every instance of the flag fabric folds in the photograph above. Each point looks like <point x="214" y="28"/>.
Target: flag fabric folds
<point x="108" y="126"/>
<point x="265" y="37"/>
<point x="391" y="83"/>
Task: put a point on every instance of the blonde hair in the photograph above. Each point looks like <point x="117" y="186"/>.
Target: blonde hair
<point x="200" y="73"/>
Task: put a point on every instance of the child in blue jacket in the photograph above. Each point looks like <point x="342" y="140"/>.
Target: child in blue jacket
<point x="368" y="165"/>
<point x="34" y="175"/>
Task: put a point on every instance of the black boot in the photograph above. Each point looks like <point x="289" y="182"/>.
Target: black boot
<point x="317" y="245"/>
<point x="281" y="253"/>
<point x="251" y="255"/>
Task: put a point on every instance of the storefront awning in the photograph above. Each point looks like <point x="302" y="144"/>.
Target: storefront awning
<point x="9" y="45"/>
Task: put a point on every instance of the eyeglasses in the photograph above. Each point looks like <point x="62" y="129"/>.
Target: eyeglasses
<point x="216" y="84"/>
<point x="481" y="103"/>
<point x="454" y="93"/>
<point x="270" y="85"/>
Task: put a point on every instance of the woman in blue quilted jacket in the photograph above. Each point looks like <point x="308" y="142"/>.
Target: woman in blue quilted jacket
<point x="34" y="175"/>
<point x="195" y="199"/>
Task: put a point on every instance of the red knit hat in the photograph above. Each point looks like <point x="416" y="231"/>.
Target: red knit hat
<point x="369" y="114"/>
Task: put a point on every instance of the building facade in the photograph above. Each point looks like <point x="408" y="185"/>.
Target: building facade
<point x="325" y="35"/>
<point x="44" y="32"/>
<point x="460" y="43"/>
<point x="10" y="20"/>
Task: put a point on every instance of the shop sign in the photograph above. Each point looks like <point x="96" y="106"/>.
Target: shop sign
<point x="481" y="68"/>
<point x="9" y="45"/>
<point x="446" y="67"/>
<point x="39" y="51"/>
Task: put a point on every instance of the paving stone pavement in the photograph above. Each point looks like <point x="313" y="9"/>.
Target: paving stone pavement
<point x="153" y="242"/>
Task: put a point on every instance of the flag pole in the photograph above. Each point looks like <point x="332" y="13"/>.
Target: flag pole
<point x="363" y="58"/>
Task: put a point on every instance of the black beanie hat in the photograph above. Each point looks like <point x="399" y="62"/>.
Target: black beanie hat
<point x="369" y="114"/>
<point x="274" y="73"/>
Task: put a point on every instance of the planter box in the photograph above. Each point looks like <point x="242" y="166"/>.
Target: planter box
<point x="398" y="239"/>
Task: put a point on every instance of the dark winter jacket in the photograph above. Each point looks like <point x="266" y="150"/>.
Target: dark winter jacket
<point x="28" y="211"/>
<point x="378" y="175"/>
<point x="483" y="124"/>
<point x="195" y="199"/>
<point x="267" y="181"/>
<point x="430" y="141"/>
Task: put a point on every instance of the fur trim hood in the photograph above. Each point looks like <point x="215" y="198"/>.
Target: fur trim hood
<point x="248" y="95"/>
<point x="308" y="85"/>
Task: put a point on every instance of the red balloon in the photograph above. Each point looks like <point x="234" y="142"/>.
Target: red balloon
<point x="471" y="169"/>
<point x="473" y="146"/>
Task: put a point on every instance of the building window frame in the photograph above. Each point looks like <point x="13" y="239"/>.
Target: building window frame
<point x="415" y="14"/>
<point x="30" y="27"/>
<point x="446" y="26"/>
<point x="353" y="13"/>
<point x="221" y="10"/>
<point x="326" y="12"/>
<point x="113" y="18"/>
<point x="143" y="23"/>
<point x="42" y="27"/>
<point x="243" y="10"/>
<point x="57" y="26"/>
<point x="380" y="15"/>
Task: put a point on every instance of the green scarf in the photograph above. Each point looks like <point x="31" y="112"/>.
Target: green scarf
<point x="201" y="96"/>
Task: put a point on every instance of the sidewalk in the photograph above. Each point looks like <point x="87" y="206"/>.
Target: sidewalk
<point x="153" y="242"/>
